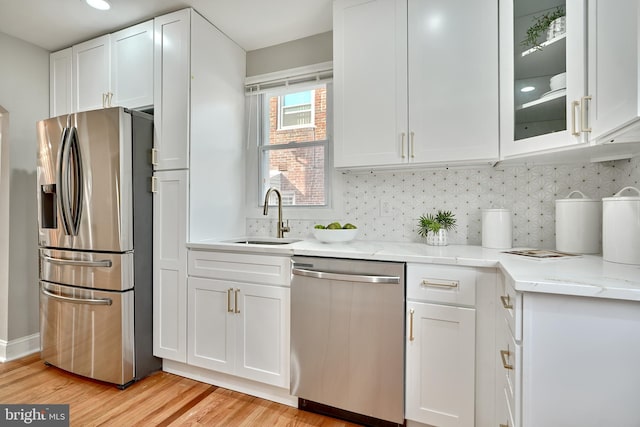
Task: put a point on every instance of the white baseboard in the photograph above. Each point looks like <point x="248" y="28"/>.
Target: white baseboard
<point x="20" y="347"/>
<point x="252" y="388"/>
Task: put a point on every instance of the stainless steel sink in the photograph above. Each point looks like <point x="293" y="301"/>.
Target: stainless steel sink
<point x="264" y="241"/>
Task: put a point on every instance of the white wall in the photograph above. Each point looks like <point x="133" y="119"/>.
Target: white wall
<point x="24" y="93"/>
<point x="297" y="53"/>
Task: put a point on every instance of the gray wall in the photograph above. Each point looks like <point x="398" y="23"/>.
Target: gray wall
<point x="24" y="93"/>
<point x="296" y="53"/>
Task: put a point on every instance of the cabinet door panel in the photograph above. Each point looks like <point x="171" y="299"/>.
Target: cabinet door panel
<point x="371" y="82"/>
<point x="211" y="325"/>
<point x="171" y="90"/>
<point x="440" y="367"/>
<point x="170" y="265"/>
<point x="263" y="334"/>
<point x="60" y="82"/>
<point x="91" y="73"/>
<point x="614" y="43"/>
<point x="453" y="80"/>
<point x="132" y="66"/>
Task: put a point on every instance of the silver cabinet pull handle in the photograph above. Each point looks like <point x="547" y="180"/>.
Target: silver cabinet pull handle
<point x="101" y="301"/>
<point x="450" y="284"/>
<point x="583" y="116"/>
<point x="402" y="144"/>
<point x="411" y="337"/>
<point x="110" y="97"/>
<point x="235" y="301"/>
<point x="345" y="277"/>
<point x="229" y="309"/>
<point x="411" y="151"/>
<point x="506" y="302"/>
<point x="504" y="355"/>
<point x="574" y="131"/>
<point x="80" y="263"/>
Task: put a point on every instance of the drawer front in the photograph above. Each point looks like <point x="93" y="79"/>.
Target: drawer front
<point x="509" y="368"/>
<point x="261" y="269"/>
<point x="442" y="284"/>
<point x="510" y="302"/>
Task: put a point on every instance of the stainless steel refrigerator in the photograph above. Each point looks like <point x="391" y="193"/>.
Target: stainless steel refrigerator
<point x="95" y="237"/>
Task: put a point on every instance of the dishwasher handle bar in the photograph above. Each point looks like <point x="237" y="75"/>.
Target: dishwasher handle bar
<point x="345" y="277"/>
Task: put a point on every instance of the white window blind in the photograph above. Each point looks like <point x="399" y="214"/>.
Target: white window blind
<point x="300" y="77"/>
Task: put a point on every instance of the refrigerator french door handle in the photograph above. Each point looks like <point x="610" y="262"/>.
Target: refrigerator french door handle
<point x="79" y="263"/>
<point x="63" y="180"/>
<point x="88" y="301"/>
<point x="78" y="179"/>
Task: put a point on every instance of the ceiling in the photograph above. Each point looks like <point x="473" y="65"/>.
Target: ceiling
<point x="253" y="24"/>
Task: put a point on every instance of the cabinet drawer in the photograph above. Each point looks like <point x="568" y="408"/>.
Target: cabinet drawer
<point x="510" y="303"/>
<point x="266" y="270"/>
<point x="509" y="367"/>
<point x="436" y="283"/>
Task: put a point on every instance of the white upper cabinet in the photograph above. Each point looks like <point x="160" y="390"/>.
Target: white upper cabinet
<point x="60" y="82"/>
<point x="370" y="81"/>
<point x="132" y="66"/>
<point x="614" y="70"/>
<point x="171" y="90"/>
<point x="402" y="92"/>
<point x="581" y="72"/>
<point x="453" y="81"/>
<point x="91" y="73"/>
<point x="108" y="71"/>
<point x="542" y="80"/>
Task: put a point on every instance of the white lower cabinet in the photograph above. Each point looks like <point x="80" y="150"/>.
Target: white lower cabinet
<point x="441" y="365"/>
<point x="236" y="327"/>
<point x="566" y="360"/>
<point x="441" y="345"/>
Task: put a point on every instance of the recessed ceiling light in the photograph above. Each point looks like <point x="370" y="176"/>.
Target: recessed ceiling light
<point x="524" y="89"/>
<point x="99" y="4"/>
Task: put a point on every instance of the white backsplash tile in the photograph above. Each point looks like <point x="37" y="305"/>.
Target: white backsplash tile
<point x="529" y="191"/>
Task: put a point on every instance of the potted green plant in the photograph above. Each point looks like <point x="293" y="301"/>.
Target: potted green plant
<point x="540" y="26"/>
<point x="435" y="227"/>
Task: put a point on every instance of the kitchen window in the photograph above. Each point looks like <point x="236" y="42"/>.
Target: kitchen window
<point x="294" y="145"/>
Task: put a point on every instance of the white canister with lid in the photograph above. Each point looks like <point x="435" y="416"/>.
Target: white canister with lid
<point x="578" y="224"/>
<point x="621" y="227"/>
<point x="496" y="228"/>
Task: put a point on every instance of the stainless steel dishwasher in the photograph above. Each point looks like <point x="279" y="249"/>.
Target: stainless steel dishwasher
<point x="347" y="338"/>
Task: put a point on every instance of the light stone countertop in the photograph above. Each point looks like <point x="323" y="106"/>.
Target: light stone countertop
<point x="586" y="275"/>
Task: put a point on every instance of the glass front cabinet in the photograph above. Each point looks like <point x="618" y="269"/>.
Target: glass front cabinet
<point x="569" y="77"/>
<point x="543" y="71"/>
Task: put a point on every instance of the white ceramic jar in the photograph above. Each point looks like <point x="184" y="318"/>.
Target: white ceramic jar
<point x="496" y="228"/>
<point x="621" y="227"/>
<point x="578" y="224"/>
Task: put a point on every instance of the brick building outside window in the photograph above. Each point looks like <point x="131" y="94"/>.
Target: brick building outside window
<point x="295" y="146"/>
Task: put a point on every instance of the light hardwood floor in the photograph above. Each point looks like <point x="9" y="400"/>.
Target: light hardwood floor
<point x="161" y="399"/>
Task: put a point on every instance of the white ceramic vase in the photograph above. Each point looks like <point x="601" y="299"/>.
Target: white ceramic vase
<point x="437" y="238"/>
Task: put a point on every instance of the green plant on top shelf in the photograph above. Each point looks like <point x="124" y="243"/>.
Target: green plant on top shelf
<point x="540" y="26"/>
<point x="444" y="220"/>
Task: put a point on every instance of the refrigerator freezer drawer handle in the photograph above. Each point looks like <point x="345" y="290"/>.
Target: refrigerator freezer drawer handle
<point x="80" y="263"/>
<point x="101" y="301"/>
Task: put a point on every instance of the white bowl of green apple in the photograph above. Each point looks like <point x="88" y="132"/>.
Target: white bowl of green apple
<point x="335" y="232"/>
